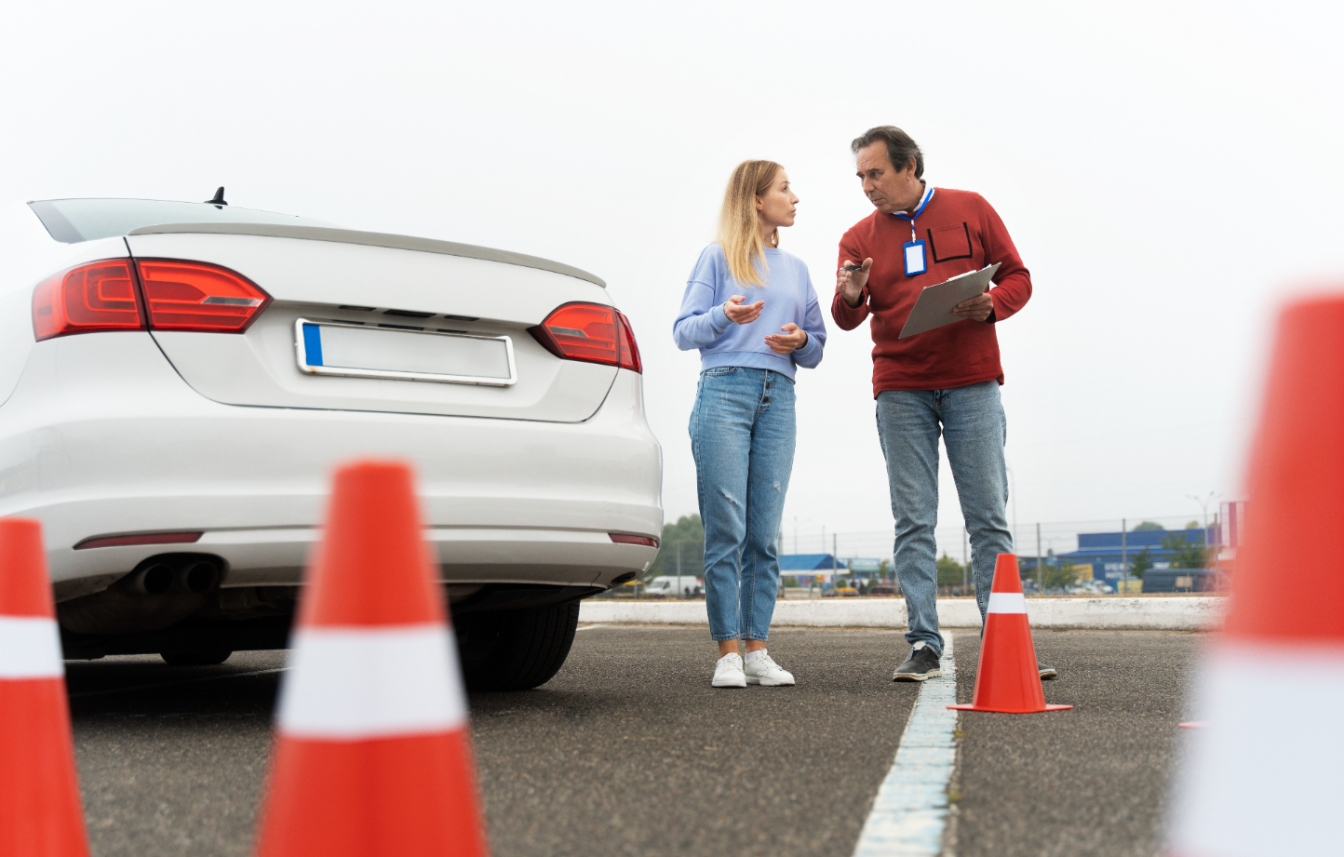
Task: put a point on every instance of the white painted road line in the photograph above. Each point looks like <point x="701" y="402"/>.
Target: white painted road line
<point x="910" y="810"/>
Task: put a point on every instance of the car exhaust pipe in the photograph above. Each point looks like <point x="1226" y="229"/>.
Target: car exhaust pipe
<point x="154" y="579"/>
<point x="161" y="591"/>
<point x="198" y="576"/>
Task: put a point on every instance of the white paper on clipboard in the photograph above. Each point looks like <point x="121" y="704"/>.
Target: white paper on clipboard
<point x="934" y="307"/>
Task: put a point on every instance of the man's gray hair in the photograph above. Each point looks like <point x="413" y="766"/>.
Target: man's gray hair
<point x="900" y="147"/>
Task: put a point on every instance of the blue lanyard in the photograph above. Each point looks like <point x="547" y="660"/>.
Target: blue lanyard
<point x="923" y="202"/>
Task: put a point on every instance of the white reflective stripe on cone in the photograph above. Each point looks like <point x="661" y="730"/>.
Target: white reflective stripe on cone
<point x="30" y="647"/>
<point x="351" y="683"/>
<point x="1007" y="602"/>
<point x="1266" y="773"/>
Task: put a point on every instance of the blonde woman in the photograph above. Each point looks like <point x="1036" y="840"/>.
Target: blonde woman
<point x="742" y="426"/>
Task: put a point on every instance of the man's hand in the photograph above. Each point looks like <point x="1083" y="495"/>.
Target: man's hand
<point x="739" y="313"/>
<point x="788" y="342"/>
<point x="978" y="307"/>
<point x="850" y="283"/>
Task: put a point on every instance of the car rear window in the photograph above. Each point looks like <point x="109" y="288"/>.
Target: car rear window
<point x="71" y="221"/>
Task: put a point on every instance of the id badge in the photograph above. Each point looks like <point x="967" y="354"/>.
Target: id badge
<point x="914" y="258"/>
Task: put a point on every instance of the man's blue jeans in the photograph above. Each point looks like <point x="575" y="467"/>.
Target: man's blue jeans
<point x="742" y="437"/>
<point x="974" y="429"/>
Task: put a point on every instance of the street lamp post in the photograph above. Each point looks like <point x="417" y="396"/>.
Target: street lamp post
<point x="1204" y="504"/>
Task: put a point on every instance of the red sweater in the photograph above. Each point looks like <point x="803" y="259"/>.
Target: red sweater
<point x="961" y="233"/>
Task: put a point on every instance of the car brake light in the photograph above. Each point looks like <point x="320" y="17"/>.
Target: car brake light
<point x="629" y="349"/>
<point x="175" y="538"/>
<point x="199" y="297"/>
<point x="591" y="333"/>
<point x="87" y="298"/>
<point x="626" y="539"/>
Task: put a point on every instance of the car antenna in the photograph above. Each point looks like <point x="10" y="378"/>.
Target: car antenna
<point x="219" y="198"/>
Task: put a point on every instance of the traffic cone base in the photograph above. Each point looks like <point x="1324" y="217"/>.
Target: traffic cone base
<point x="40" y="810"/>
<point x="1249" y="762"/>
<point x="381" y="796"/>
<point x="1008" y="680"/>
<point x="1265" y="773"/>
<point x="41" y="814"/>
<point x="372" y="753"/>
<point x="1042" y="710"/>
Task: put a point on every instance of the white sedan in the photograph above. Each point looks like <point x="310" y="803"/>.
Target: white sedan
<point x="175" y="395"/>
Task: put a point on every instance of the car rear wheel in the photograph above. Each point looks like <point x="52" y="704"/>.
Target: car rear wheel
<point x="515" y="649"/>
<point x="195" y="659"/>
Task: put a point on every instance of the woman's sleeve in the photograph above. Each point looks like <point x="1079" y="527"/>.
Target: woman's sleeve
<point x="810" y="354"/>
<point x="701" y="321"/>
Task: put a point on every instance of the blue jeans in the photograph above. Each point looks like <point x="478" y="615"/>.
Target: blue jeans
<point x="742" y="437"/>
<point x="974" y="430"/>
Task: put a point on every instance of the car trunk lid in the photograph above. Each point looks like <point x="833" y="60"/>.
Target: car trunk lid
<point x="371" y="322"/>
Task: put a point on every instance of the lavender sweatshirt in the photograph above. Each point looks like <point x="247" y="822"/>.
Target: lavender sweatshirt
<point x="788" y="296"/>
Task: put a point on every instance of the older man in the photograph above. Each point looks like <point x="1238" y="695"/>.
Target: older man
<point x="941" y="382"/>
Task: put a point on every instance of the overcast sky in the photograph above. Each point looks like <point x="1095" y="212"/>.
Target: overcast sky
<point x="1170" y="172"/>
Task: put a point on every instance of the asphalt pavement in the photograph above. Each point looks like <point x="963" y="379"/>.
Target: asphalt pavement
<point x="1092" y="780"/>
<point x="629" y="751"/>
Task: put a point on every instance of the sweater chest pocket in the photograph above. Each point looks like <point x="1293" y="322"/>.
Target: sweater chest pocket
<point x="950" y="242"/>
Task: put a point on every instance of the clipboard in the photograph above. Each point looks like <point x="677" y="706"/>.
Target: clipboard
<point x="934" y="307"/>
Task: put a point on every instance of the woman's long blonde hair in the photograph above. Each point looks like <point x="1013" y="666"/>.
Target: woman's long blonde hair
<point x="739" y="225"/>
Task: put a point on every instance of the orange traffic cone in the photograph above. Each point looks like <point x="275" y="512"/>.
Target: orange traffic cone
<point x="40" y="810"/>
<point x="372" y="754"/>
<point x="1266" y="773"/>
<point x="1007" y="680"/>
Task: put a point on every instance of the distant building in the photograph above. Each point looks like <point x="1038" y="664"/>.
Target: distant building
<point x="1107" y="553"/>
<point x="867" y="568"/>
<point x="791" y="562"/>
<point x="807" y="569"/>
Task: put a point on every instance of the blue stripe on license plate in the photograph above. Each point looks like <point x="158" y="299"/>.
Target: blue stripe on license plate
<point x="312" y="344"/>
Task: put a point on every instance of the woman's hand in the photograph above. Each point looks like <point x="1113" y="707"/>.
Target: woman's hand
<point x="850" y="283"/>
<point x="739" y="313"/>
<point x="788" y="342"/>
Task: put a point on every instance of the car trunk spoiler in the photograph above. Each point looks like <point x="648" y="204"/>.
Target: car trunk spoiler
<point x="371" y="239"/>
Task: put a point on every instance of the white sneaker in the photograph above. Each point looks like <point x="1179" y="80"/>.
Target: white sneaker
<point x="764" y="671"/>
<point x="728" y="672"/>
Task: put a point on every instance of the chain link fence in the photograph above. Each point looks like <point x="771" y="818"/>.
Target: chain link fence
<point x="1175" y="552"/>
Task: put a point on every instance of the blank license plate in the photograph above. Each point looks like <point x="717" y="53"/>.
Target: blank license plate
<point x="370" y="352"/>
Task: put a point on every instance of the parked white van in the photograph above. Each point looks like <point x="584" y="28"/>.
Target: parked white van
<point x="674" y="587"/>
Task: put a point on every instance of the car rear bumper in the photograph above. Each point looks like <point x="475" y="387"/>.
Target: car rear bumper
<point x="101" y="437"/>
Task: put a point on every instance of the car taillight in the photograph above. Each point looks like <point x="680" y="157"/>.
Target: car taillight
<point x="627" y="539"/>
<point x="592" y="333"/>
<point x="87" y="298"/>
<point x="169" y="295"/>
<point x="199" y="297"/>
<point x="174" y="538"/>
<point x="629" y="348"/>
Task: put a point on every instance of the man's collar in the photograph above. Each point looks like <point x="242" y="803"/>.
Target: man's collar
<point x="923" y="201"/>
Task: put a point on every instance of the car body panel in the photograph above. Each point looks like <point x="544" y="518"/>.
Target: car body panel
<point x="322" y="280"/>
<point x="118" y="433"/>
<point x="324" y="272"/>
<point x="371" y="239"/>
<point x="106" y="439"/>
<point x="16" y="300"/>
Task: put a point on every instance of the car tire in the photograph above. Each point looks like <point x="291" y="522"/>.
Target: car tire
<point x="515" y="649"/>
<point x="195" y="659"/>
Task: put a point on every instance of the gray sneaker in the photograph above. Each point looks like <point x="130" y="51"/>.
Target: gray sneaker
<point x="922" y="664"/>
<point x="1047" y="673"/>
